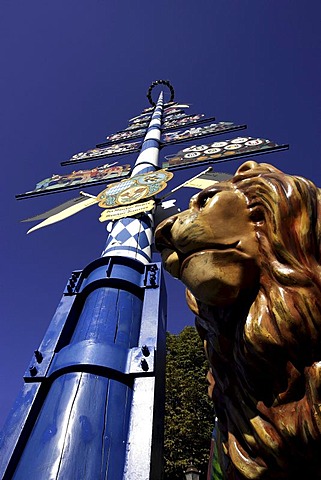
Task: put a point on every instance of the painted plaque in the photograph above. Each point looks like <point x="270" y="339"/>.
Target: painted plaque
<point x="148" y="109"/>
<point x="175" y="108"/>
<point x="200" y="131"/>
<point x="110" y="151"/>
<point x="175" y="116"/>
<point x="143" y="117"/>
<point x="134" y="189"/>
<point x="81" y="178"/>
<point x="221" y="151"/>
<point x="125" y="135"/>
<point x="184" y="121"/>
<point x="137" y="125"/>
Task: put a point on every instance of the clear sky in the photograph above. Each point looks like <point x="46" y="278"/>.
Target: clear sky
<point x="75" y="71"/>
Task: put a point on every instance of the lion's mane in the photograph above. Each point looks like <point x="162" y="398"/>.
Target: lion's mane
<point x="265" y="350"/>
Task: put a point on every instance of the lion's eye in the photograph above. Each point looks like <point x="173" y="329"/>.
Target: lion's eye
<point x="203" y="202"/>
<point x="200" y="200"/>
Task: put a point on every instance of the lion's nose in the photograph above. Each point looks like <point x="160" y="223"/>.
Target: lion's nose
<point x="163" y="233"/>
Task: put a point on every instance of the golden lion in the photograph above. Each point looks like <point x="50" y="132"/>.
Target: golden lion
<point x="248" y="251"/>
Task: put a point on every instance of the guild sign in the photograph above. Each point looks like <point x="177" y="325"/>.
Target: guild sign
<point x="134" y="189"/>
<point x="221" y="151"/>
<point x="110" y="151"/>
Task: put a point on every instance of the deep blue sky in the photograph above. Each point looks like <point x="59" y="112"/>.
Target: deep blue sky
<point x="74" y="71"/>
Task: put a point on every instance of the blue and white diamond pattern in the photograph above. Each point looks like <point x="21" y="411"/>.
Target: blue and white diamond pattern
<point x="131" y="237"/>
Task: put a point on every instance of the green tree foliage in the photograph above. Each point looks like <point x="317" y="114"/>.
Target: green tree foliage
<point x="189" y="413"/>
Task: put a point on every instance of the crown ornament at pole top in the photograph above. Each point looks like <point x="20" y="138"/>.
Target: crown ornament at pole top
<point x="160" y="82"/>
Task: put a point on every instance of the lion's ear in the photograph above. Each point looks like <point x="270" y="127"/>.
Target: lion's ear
<point x="245" y="167"/>
<point x="191" y="302"/>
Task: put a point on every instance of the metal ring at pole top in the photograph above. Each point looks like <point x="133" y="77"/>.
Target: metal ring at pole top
<point x="160" y="82"/>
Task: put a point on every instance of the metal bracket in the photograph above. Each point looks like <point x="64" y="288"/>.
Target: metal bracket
<point x="90" y="356"/>
<point x="72" y="285"/>
<point x="151" y="278"/>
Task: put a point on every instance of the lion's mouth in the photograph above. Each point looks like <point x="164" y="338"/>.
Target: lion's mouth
<point x="182" y="258"/>
<point x="185" y="257"/>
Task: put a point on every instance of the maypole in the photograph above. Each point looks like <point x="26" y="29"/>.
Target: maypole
<point x="97" y="417"/>
<point x="92" y="405"/>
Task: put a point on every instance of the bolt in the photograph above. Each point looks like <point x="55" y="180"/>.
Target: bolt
<point x="144" y="365"/>
<point x="152" y="274"/>
<point x="145" y="351"/>
<point x="38" y="356"/>
<point x="33" y="370"/>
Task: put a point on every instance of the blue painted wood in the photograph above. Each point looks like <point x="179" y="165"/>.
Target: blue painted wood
<point x="25" y="409"/>
<point x="110" y="316"/>
<point x="83" y="425"/>
<point x="16" y="429"/>
<point x="116" y="430"/>
<point x="85" y="436"/>
<point x="70" y="419"/>
<point x="98" y="318"/>
<point x="84" y="419"/>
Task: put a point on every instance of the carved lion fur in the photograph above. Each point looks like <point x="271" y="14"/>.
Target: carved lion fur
<point x="248" y="251"/>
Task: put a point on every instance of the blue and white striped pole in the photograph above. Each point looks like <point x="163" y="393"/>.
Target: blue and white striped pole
<point x="92" y="404"/>
<point x="133" y="237"/>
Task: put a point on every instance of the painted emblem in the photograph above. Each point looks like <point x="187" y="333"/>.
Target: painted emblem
<point x="134" y="189"/>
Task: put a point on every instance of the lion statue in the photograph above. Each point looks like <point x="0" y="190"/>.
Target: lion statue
<point x="248" y="251"/>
